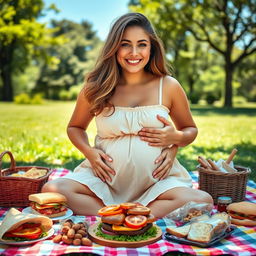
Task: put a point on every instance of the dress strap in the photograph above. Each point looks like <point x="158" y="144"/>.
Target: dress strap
<point x="160" y="91"/>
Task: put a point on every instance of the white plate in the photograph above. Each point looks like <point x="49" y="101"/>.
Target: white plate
<point x="8" y="242"/>
<point x="67" y="215"/>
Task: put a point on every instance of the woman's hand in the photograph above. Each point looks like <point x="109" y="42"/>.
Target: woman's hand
<point x="100" y="169"/>
<point x="160" y="137"/>
<point x="166" y="158"/>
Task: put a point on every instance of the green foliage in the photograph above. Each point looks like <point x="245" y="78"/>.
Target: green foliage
<point x="36" y="134"/>
<point x="210" y="98"/>
<point x="70" y="60"/>
<point x="194" y="97"/>
<point x="21" y="38"/>
<point x="24" y="98"/>
<point x="226" y="27"/>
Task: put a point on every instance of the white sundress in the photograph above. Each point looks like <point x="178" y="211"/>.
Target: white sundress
<point x="133" y="159"/>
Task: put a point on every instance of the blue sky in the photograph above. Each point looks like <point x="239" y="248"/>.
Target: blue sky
<point x="101" y="13"/>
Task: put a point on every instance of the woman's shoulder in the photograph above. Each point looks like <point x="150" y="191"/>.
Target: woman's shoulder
<point x="170" y="84"/>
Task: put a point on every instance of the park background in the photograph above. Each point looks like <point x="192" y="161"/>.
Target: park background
<point x="47" y="47"/>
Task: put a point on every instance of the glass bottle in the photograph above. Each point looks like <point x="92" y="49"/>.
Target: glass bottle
<point x="223" y="202"/>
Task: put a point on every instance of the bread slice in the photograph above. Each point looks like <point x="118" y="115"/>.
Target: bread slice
<point x="223" y="216"/>
<point x="47" y="197"/>
<point x="179" y="231"/>
<point x="203" y="217"/>
<point x="200" y="232"/>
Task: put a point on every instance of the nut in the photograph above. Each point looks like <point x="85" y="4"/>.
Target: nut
<point x="86" y="241"/>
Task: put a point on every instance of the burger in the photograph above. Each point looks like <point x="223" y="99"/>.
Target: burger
<point x="17" y="226"/>
<point x="49" y="204"/>
<point x="242" y="213"/>
<point x="126" y="222"/>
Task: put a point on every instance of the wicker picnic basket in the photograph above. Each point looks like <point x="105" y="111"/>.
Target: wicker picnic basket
<point x="218" y="183"/>
<point x="14" y="191"/>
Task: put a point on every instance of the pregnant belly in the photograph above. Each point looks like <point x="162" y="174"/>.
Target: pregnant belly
<point x="129" y="150"/>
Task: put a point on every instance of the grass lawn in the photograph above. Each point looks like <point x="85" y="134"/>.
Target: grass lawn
<point x="36" y="135"/>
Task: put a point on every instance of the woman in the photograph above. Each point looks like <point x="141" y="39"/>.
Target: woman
<point x="131" y="96"/>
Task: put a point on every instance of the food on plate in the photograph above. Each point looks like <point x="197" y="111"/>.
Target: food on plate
<point x="192" y="214"/>
<point x="181" y="231"/>
<point x="17" y="226"/>
<point x="201" y="218"/>
<point x="203" y="229"/>
<point x="49" y="204"/>
<point x="200" y="232"/>
<point x="73" y="233"/>
<point x="126" y="222"/>
<point x="32" y="173"/>
<point x="242" y="213"/>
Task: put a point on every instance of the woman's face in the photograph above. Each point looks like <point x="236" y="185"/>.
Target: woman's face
<point x="134" y="50"/>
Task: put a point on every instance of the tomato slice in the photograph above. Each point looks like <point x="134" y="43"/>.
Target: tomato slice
<point x="110" y="210"/>
<point x="128" y="205"/>
<point x="31" y="225"/>
<point x="151" y="218"/>
<point x="135" y="221"/>
<point x="30" y="233"/>
<point x="236" y="216"/>
<point x="140" y="210"/>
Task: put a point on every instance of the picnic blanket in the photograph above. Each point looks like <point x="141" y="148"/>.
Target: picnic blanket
<point x="242" y="242"/>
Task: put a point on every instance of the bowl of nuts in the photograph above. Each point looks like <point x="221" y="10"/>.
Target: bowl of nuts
<point x="72" y="233"/>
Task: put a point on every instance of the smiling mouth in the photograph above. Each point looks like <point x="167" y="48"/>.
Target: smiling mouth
<point x="133" y="62"/>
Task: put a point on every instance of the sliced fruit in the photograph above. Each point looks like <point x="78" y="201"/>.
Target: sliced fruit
<point x="140" y="210"/>
<point x="128" y="205"/>
<point x="110" y="210"/>
<point x="136" y="221"/>
<point x="29" y="233"/>
<point x="151" y="218"/>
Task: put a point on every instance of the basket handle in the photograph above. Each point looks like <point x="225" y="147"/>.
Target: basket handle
<point x="13" y="164"/>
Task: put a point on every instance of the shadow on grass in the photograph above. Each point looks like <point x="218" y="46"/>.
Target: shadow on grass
<point x="207" y="111"/>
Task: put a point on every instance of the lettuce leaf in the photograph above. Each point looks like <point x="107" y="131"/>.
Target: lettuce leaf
<point x="152" y="232"/>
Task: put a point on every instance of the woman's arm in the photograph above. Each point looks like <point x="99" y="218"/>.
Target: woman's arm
<point x="78" y="124"/>
<point x="76" y="131"/>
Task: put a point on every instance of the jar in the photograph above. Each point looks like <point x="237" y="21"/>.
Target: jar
<point x="223" y="202"/>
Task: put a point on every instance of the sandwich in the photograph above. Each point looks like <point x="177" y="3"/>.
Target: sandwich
<point x="18" y="226"/>
<point x="49" y="204"/>
<point x="181" y="231"/>
<point x="203" y="229"/>
<point x="201" y="232"/>
<point x="242" y="213"/>
<point x="126" y="222"/>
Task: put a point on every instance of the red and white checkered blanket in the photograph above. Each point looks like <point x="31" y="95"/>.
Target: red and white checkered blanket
<point x="242" y="242"/>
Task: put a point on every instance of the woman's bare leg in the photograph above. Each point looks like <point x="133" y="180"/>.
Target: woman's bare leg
<point x="80" y="198"/>
<point x="175" y="198"/>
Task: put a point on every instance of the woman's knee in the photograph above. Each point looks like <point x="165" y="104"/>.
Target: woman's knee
<point x="58" y="186"/>
<point x="204" y="197"/>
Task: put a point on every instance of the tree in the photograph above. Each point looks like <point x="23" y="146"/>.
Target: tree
<point x="21" y="37"/>
<point x="223" y="24"/>
<point x="70" y="59"/>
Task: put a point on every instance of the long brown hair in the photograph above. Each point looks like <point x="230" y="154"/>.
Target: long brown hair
<point x="101" y="82"/>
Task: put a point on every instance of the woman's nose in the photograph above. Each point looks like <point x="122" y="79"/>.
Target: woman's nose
<point x="134" y="50"/>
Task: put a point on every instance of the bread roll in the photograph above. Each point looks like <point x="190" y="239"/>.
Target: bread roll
<point x="48" y="197"/>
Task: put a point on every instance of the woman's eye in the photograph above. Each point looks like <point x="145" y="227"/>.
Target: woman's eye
<point x="125" y="45"/>
<point x="142" y="45"/>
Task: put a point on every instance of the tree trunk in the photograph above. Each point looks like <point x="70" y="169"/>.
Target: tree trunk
<point x="6" y="73"/>
<point x="228" y="84"/>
